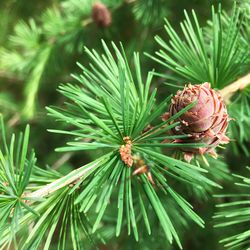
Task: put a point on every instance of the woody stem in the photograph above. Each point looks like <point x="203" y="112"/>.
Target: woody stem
<point x="240" y="84"/>
<point x="81" y="172"/>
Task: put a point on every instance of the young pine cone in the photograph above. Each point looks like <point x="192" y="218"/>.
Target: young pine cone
<point x="206" y="122"/>
<point x="101" y="15"/>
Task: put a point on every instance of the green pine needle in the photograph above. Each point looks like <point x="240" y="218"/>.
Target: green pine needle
<point x="110" y="104"/>
<point x="236" y="213"/>
<point x="204" y="54"/>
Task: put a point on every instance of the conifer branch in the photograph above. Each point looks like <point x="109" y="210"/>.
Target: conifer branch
<point x="226" y="92"/>
<point x="230" y="89"/>
<point x="138" y="179"/>
<point x="63" y="181"/>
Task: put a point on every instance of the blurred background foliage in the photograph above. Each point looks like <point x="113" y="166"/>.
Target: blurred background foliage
<point x="40" y="43"/>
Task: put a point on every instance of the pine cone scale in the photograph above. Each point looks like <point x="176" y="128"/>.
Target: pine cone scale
<point x="206" y="122"/>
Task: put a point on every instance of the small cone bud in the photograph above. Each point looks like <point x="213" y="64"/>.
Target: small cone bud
<point x="126" y="152"/>
<point x="101" y="15"/>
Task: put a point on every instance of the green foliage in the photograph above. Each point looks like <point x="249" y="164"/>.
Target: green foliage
<point x="236" y="214"/>
<point x="217" y="53"/>
<point x="15" y="171"/>
<point x="112" y="103"/>
<point x="245" y="5"/>
<point x="151" y="12"/>
<point x="212" y="54"/>
<point x="57" y="213"/>
<point x="239" y="127"/>
<point x="7" y="103"/>
<point x="35" y="45"/>
<point x="18" y="178"/>
<point x="26" y="39"/>
<point x="218" y="171"/>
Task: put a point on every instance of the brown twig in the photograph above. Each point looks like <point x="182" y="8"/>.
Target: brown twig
<point x="240" y="84"/>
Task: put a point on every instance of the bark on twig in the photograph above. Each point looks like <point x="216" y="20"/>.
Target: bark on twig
<point x="62" y="182"/>
<point x="240" y="84"/>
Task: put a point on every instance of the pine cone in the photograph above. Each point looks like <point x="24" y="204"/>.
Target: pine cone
<point x="206" y="122"/>
<point x="101" y="15"/>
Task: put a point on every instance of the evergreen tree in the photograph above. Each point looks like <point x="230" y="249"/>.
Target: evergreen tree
<point x="138" y="126"/>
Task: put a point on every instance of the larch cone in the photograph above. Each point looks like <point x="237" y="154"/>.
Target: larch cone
<point x="205" y="123"/>
<point x="101" y="15"/>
